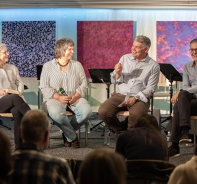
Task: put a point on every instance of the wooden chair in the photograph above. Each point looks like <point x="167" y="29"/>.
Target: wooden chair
<point x="6" y="115"/>
<point x="124" y="114"/>
<point x="193" y="120"/>
<point x="68" y="113"/>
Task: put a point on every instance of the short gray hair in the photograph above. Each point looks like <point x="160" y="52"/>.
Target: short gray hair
<point x="144" y="40"/>
<point x="61" y="46"/>
<point x="2" y="45"/>
<point x="193" y="41"/>
<point x="34" y="124"/>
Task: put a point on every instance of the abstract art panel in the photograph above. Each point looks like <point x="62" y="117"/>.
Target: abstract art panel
<point x="30" y="43"/>
<point x="173" y="38"/>
<point x="100" y="44"/>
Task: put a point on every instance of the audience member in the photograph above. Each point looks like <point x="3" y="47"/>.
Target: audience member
<point x="102" y="166"/>
<point x="144" y="141"/>
<point x="185" y="173"/>
<point x="185" y="104"/>
<point x="5" y="158"/>
<point x="14" y="103"/>
<point x="67" y="74"/>
<point x="30" y="163"/>
<point x="136" y="76"/>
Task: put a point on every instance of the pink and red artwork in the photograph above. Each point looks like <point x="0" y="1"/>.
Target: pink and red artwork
<point x="100" y="44"/>
<point x="173" y="40"/>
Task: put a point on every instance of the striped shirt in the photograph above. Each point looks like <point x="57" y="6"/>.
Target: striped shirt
<point x="72" y="81"/>
<point x="138" y="79"/>
<point x="10" y="78"/>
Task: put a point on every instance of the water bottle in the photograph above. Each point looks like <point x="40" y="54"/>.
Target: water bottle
<point x="168" y="136"/>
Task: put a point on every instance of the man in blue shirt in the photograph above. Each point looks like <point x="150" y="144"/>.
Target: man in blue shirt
<point x="185" y="104"/>
<point x="136" y="76"/>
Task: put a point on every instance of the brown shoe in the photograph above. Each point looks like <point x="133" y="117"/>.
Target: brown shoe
<point x="75" y="143"/>
<point x="66" y="143"/>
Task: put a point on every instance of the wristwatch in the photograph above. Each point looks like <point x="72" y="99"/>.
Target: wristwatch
<point x="137" y="98"/>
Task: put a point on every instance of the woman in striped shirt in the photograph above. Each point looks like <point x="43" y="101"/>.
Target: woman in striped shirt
<point x="67" y="75"/>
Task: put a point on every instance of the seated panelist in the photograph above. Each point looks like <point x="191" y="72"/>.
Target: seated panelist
<point x="185" y="103"/>
<point x="9" y="102"/>
<point x="63" y="85"/>
<point x="136" y="76"/>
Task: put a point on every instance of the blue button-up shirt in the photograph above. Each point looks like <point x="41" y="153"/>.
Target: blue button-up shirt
<point x="190" y="77"/>
<point x="138" y="78"/>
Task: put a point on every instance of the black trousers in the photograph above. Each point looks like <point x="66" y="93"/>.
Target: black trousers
<point x="18" y="107"/>
<point x="185" y="107"/>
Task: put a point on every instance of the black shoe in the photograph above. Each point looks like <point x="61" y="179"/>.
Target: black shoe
<point x="185" y="137"/>
<point x="1" y="123"/>
<point x="173" y="152"/>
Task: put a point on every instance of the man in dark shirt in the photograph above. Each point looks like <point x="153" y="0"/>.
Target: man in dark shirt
<point x="185" y="102"/>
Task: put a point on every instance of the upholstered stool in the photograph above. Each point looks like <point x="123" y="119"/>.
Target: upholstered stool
<point x="193" y="120"/>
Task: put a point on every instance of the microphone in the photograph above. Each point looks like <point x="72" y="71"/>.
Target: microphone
<point x="63" y="92"/>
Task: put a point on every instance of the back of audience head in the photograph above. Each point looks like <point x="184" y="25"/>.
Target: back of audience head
<point x="102" y="166"/>
<point x="148" y="121"/>
<point x="151" y="123"/>
<point x="35" y="128"/>
<point x="5" y="157"/>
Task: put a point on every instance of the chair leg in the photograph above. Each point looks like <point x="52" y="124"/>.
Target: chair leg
<point x="194" y="121"/>
<point x="6" y="127"/>
<point x="86" y="132"/>
<point x="107" y="135"/>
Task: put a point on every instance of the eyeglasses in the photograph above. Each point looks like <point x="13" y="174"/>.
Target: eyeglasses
<point x="193" y="50"/>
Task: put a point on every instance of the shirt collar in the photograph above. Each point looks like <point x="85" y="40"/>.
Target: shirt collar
<point x="28" y="146"/>
<point x="193" y="64"/>
<point x="144" y="60"/>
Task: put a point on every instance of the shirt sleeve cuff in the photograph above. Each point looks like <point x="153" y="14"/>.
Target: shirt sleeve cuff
<point x="140" y="96"/>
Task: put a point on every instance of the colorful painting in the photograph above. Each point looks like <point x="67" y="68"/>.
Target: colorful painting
<point x="173" y="38"/>
<point x="29" y="43"/>
<point x="100" y="44"/>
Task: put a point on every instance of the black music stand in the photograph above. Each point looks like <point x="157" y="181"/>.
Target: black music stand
<point x="171" y="74"/>
<point x="101" y="75"/>
<point x="39" y="71"/>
